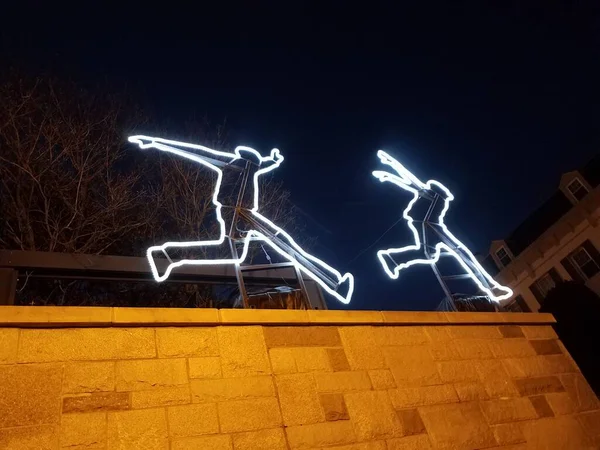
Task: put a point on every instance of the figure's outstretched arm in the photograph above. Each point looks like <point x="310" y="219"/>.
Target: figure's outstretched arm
<point x="194" y="152"/>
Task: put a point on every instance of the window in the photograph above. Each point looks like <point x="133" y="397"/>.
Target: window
<point x="518" y="305"/>
<point x="503" y="256"/>
<point x="584" y="263"/>
<point x="545" y="283"/>
<point x="577" y="189"/>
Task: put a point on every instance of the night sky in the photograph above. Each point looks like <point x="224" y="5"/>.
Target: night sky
<point x="494" y="102"/>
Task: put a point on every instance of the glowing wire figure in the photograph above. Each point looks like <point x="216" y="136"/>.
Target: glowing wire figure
<point x="260" y="228"/>
<point x="434" y="239"/>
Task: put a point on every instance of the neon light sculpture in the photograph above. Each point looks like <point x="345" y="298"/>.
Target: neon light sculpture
<point x="434" y="239"/>
<point x="260" y="228"/>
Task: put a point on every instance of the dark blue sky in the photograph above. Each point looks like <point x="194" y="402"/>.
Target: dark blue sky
<point x="494" y="102"/>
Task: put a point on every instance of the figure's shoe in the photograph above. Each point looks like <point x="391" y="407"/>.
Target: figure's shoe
<point x="345" y="288"/>
<point x="501" y="293"/>
<point x="160" y="265"/>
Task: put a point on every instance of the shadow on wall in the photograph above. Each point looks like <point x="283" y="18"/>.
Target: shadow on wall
<point x="577" y="311"/>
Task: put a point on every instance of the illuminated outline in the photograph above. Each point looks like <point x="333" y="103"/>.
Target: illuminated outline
<point x="277" y="158"/>
<point x="405" y="180"/>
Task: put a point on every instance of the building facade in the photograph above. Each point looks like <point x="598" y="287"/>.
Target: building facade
<point x="558" y="242"/>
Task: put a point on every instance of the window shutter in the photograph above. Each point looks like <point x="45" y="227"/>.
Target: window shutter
<point x="555" y="276"/>
<point x="524" y="307"/>
<point x="571" y="270"/>
<point x="589" y="247"/>
<point x="536" y="292"/>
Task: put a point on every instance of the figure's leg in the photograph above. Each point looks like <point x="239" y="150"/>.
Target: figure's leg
<point x="294" y="253"/>
<point x="394" y="260"/>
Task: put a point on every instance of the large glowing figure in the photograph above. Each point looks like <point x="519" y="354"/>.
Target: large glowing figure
<point x="433" y="239"/>
<point x="264" y="229"/>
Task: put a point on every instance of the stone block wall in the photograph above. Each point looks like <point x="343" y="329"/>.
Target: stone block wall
<point x="108" y="378"/>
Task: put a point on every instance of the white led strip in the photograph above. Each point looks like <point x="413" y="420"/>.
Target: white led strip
<point x="276" y="158"/>
<point x="407" y="181"/>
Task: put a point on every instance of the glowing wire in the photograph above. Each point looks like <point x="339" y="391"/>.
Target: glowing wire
<point x="407" y="181"/>
<point x="275" y="156"/>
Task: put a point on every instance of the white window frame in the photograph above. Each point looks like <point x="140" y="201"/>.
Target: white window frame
<point x="503" y="248"/>
<point x="541" y="287"/>
<point x="577" y="266"/>
<point x="576" y="180"/>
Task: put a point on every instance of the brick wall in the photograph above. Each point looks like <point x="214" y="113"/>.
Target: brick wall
<point x="230" y="379"/>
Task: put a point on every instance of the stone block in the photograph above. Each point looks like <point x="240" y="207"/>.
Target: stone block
<point x="165" y="316"/>
<point x="495" y="378"/>
<point x="89" y="377"/>
<point x="372" y="415"/>
<point x="474" y="317"/>
<point x="43" y="437"/>
<point x="243" y="352"/>
<point x="542" y="408"/>
<point x="426" y="395"/>
<point x="455" y="371"/>
<point x="208" y="367"/>
<point x="511" y="348"/>
<point x="418" y="442"/>
<point x="9" y="338"/>
<point x="299" y="400"/>
<point x="96" y="401"/>
<point x="186" y="342"/>
<point x="556" y="433"/>
<point x="40" y="405"/>
<point x="361" y="348"/>
<point x="420" y="317"/>
<point x="142" y="429"/>
<point x="83" y="431"/>
<point x="411" y="365"/>
<point x="437" y="333"/>
<point x="580" y="392"/>
<point x="273" y="439"/>
<point x="282" y="360"/>
<point x="249" y="415"/>
<point x="471" y="391"/>
<point x="527" y="318"/>
<point x="509" y="433"/>
<point x="444" y="350"/>
<point x="342" y="381"/>
<point x="85" y="344"/>
<point x="408" y="335"/>
<point x="313" y="336"/>
<point x="474" y="332"/>
<point x="591" y="423"/>
<point x="561" y="403"/>
<point x="337" y="359"/>
<point x="511" y="331"/>
<point x="334" y="407"/>
<point x="311" y="359"/>
<point x="474" y="348"/>
<point x="382" y="379"/>
<point x="143" y="374"/>
<point x="508" y="410"/>
<point x="546" y="347"/>
<point x="375" y="445"/>
<point x="538" y="385"/>
<point x="53" y="316"/>
<point x="320" y="435"/>
<point x="411" y="422"/>
<point x="168" y="396"/>
<point x="263" y="316"/>
<point x="538" y="365"/>
<point x="192" y="420"/>
<point x="341" y="316"/>
<point x="204" y="391"/>
<point x="457" y="425"/>
<point x="539" y="332"/>
<point x="215" y="442"/>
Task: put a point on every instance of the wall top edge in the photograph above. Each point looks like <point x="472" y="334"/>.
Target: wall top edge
<point x="76" y="316"/>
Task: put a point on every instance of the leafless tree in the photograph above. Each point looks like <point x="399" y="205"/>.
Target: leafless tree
<point x="61" y="184"/>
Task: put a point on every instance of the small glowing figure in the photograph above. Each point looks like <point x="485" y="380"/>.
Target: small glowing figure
<point x="221" y="162"/>
<point x="434" y="238"/>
